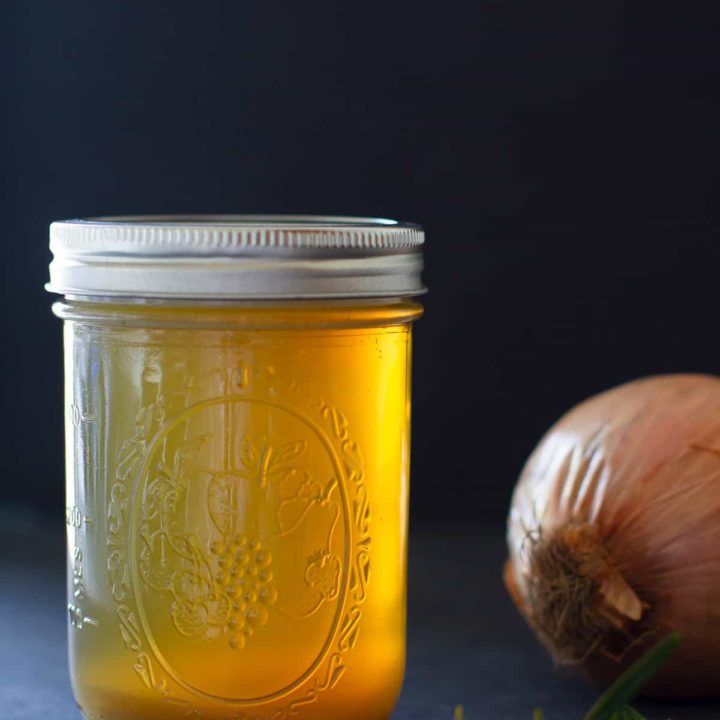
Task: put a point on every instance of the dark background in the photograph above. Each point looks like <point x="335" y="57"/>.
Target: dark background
<point x="564" y="161"/>
<point x="565" y="168"/>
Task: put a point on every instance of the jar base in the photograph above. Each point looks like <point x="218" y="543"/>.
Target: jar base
<point x="112" y="706"/>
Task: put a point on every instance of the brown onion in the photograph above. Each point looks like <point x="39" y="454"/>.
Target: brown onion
<point x="614" y="533"/>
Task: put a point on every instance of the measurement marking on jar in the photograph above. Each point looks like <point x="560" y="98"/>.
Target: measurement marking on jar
<point x="79" y="592"/>
<point x="78" y="618"/>
<point x="75" y="518"/>
<point x="78" y="415"/>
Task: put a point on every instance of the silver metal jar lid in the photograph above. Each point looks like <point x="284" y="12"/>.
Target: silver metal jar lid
<point x="205" y="257"/>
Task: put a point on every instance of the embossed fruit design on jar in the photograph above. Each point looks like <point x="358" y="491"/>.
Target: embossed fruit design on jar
<point x="237" y="413"/>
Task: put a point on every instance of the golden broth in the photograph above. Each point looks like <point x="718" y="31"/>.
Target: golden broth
<point x="237" y="509"/>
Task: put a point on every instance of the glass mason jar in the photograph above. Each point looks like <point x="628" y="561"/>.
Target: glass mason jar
<point x="238" y="425"/>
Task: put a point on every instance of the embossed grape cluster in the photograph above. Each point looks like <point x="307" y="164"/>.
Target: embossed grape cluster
<point x="245" y="577"/>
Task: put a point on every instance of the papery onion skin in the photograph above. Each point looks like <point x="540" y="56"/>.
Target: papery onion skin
<point x="620" y="503"/>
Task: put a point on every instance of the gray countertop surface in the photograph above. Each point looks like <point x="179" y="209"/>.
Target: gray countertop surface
<point x="466" y="643"/>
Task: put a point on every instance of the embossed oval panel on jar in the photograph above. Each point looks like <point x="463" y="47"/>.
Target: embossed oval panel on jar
<point x="239" y="548"/>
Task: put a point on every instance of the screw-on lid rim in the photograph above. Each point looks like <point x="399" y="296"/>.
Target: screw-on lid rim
<point x="236" y="257"/>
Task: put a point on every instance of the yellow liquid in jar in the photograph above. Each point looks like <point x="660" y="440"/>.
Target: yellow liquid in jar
<point x="237" y="509"/>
